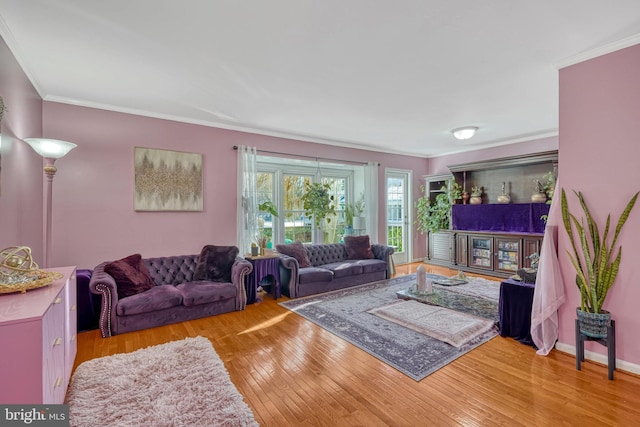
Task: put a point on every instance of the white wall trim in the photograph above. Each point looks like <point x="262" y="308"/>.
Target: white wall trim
<point x="599" y="358"/>
<point x="599" y="51"/>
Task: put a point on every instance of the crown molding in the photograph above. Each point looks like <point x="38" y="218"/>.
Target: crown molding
<point x="599" y="51"/>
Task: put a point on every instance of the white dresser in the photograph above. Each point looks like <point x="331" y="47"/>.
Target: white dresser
<point x="38" y="342"/>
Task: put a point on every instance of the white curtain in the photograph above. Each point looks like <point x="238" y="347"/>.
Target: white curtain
<point x="548" y="294"/>
<point x="247" y="222"/>
<point x="371" y="200"/>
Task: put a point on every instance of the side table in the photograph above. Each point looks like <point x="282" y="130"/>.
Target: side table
<point x="265" y="267"/>
<point x="514" y="308"/>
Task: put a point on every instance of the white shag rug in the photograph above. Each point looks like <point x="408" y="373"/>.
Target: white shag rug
<point x="452" y="327"/>
<point x="180" y="383"/>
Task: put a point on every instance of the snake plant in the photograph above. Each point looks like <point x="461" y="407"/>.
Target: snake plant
<point x="596" y="270"/>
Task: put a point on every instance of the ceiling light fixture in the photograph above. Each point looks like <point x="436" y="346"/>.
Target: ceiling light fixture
<point x="464" y="132"/>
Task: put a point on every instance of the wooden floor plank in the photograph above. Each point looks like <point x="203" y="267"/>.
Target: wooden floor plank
<point x="291" y="372"/>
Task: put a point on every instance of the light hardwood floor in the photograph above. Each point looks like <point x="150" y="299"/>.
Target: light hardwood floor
<point x="294" y="373"/>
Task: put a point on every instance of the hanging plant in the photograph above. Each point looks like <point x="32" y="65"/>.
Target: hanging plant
<point x="268" y="207"/>
<point x="318" y="202"/>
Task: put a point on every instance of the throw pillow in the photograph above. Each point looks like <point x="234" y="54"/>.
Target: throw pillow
<point x="295" y="250"/>
<point x="130" y="274"/>
<point x="358" y="247"/>
<point x="215" y="262"/>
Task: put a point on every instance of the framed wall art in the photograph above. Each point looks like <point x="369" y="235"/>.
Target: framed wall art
<point x="167" y="180"/>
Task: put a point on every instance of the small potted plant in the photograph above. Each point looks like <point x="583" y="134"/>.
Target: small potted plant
<point x="265" y="237"/>
<point x="595" y="263"/>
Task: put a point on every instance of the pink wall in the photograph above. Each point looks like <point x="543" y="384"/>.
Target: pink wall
<point x="438" y="165"/>
<point x="94" y="218"/>
<point x="21" y="176"/>
<point x="599" y="117"/>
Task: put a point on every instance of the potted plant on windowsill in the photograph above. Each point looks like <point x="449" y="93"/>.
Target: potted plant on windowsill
<point x="353" y="216"/>
<point x="595" y="264"/>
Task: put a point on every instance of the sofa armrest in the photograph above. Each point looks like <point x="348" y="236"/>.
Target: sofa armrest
<point x="289" y="268"/>
<point x="102" y="283"/>
<point x="239" y="271"/>
<point x="384" y="253"/>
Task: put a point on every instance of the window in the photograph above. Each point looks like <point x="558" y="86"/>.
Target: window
<point x="283" y="181"/>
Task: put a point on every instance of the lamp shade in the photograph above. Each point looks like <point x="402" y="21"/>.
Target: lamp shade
<point x="465" y="132"/>
<point x="50" y="148"/>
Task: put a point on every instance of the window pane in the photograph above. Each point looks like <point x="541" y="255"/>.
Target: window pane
<point x="395" y="216"/>
<point x="296" y="225"/>
<point x="333" y="228"/>
<point x="265" y="194"/>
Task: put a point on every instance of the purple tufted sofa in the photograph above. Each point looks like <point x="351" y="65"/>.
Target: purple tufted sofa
<point x="174" y="298"/>
<point x="331" y="269"/>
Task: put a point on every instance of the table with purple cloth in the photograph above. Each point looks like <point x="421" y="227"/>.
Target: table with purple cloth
<point x="514" y="310"/>
<point x="266" y="272"/>
<point x="507" y="218"/>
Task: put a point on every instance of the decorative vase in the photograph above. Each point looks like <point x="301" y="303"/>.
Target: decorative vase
<point x="593" y="324"/>
<point x="465" y="197"/>
<point x="475" y="200"/>
<point x="421" y="278"/>
<point x="538" y="197"/>
<point x="359" y="224"/>
<point x="504" y="197"/>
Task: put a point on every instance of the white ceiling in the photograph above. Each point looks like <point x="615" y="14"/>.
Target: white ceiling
<point x="392" y="76"/>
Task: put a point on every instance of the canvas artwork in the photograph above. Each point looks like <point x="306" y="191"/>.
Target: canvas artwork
<point x="167" y="180"/>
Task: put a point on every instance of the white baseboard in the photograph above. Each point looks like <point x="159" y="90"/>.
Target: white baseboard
<point x="600" y="358"/>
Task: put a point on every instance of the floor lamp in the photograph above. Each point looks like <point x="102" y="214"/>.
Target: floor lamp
<point x="51" y="150"/>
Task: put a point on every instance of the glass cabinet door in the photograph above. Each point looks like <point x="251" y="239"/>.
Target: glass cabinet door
<point x="480" y="250"/>
<point x="508" y="254"/>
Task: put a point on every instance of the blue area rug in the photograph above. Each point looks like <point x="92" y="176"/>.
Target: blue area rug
<point x="344" y="313"/>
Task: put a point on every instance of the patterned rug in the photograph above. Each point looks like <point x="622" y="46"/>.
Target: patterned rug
<point x="443" y="324"/>
<point x="345" y="314"/>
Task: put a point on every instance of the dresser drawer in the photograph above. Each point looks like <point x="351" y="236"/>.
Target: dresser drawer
<point x="53" y="348"/>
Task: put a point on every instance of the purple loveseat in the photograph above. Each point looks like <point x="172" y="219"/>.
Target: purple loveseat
<point x="174" y="298"/>
<point x="331" y="269"/>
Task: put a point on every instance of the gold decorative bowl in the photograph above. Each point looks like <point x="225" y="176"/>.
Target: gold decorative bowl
<point x="32" y="280"/>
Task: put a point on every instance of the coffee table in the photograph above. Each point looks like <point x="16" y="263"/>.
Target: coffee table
<point x="477" y="306"/>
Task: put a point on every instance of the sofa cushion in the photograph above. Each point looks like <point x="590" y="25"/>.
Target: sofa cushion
<point x="314" y="274"/>
<point x="203" y="292"/>
<point x="358" y="247"/>
<point x="297" y="251"/>
<point x="130" y="274"/>
<point x="372" y="265"/>
<point x="215" y="262"/>
<point x="344" y="269"/>
<point x="157" y="298"/>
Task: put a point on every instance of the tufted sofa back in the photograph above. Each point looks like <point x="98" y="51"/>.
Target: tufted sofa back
<point x="171" y="270"/>
<point x="326" y="254"/>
